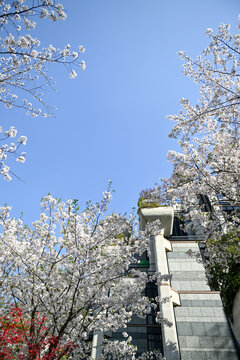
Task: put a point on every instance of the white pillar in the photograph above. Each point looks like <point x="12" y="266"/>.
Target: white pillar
<point x="97" y="344"/>
<point x="169" y="334"/>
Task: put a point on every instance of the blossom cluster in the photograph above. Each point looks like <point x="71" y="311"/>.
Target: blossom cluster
<point x="73" y="269"/>
<point x="209" y="136"/>
<point x="12" y="149"/>
<point x="206" y="172"/>
<point x="23" y="63"/>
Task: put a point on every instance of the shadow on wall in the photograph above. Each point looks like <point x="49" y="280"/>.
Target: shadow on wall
<point x="171" y="351"/>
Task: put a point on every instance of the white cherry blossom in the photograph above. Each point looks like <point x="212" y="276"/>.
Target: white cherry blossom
<point x="73" y="268"/>
<point x="209" y="137"/>
<point x="23" y="63"/>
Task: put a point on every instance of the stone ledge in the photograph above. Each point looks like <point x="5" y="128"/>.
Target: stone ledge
<point x="163" y="213"/>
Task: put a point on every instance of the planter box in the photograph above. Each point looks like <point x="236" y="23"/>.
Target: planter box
<point x="163" y="213"/>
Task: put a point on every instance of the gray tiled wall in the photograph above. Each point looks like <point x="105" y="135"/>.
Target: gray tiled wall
<point x="202" y="327"/>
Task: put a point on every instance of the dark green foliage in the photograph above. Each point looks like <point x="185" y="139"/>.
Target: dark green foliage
<point x="224" y="267"/>
<point x="143" y="203"/>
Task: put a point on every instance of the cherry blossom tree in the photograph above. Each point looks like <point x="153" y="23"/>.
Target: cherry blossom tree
<point x="23" y="66"/>
<point x="208" y="133"/>
<point x="73" y="269"/>
<point x="217" y="73"/>
<point x="206" y="172"/>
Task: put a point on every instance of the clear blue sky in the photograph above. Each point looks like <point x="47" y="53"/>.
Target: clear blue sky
<point x="110" y="122"/>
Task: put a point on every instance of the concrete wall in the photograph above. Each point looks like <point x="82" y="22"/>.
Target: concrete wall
<point x="202" y="327"/>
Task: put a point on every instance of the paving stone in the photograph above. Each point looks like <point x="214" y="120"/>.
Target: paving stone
<point x="207" y="311"/>
<point x="213" y="303"/>
<point x="180" y="311"/>
<point x="206" y="342"/>
<point x="223" y="342"/>
<point x="182" y="341"/>
<point x="184" y="328"/>
<point x="192" y="341"/>
<point x="195" y="311"/>
<point x="185" y="285"/>
<point x="177" y="255"/>
<point x="212" y="355"/>
<point x="227" y="355"/>
<point x="212" y="329"/>
<point x="188" y="275"/>
<point x="208" y="355"/>
<point x="218" y="318"/>
<point x="218" y="311"/>
<point x="186" y="303"/>
<point x="198" y="329"/>
<point x="200" y="285"/>
<point x="187" y="355"/>
<point x="224" y="329"/>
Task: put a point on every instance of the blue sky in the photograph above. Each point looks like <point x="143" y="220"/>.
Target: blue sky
<point x="110" y="122"/>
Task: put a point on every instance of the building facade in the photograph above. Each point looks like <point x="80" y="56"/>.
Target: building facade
<point x="200" y="329"/>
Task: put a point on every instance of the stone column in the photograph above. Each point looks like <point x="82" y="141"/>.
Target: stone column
<point x="169" y="334"/>
<point x="159" y="246"/>
<point x="97" y="344"/>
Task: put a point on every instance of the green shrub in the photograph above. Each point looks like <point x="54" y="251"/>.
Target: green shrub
<point x="224" y="267"/>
